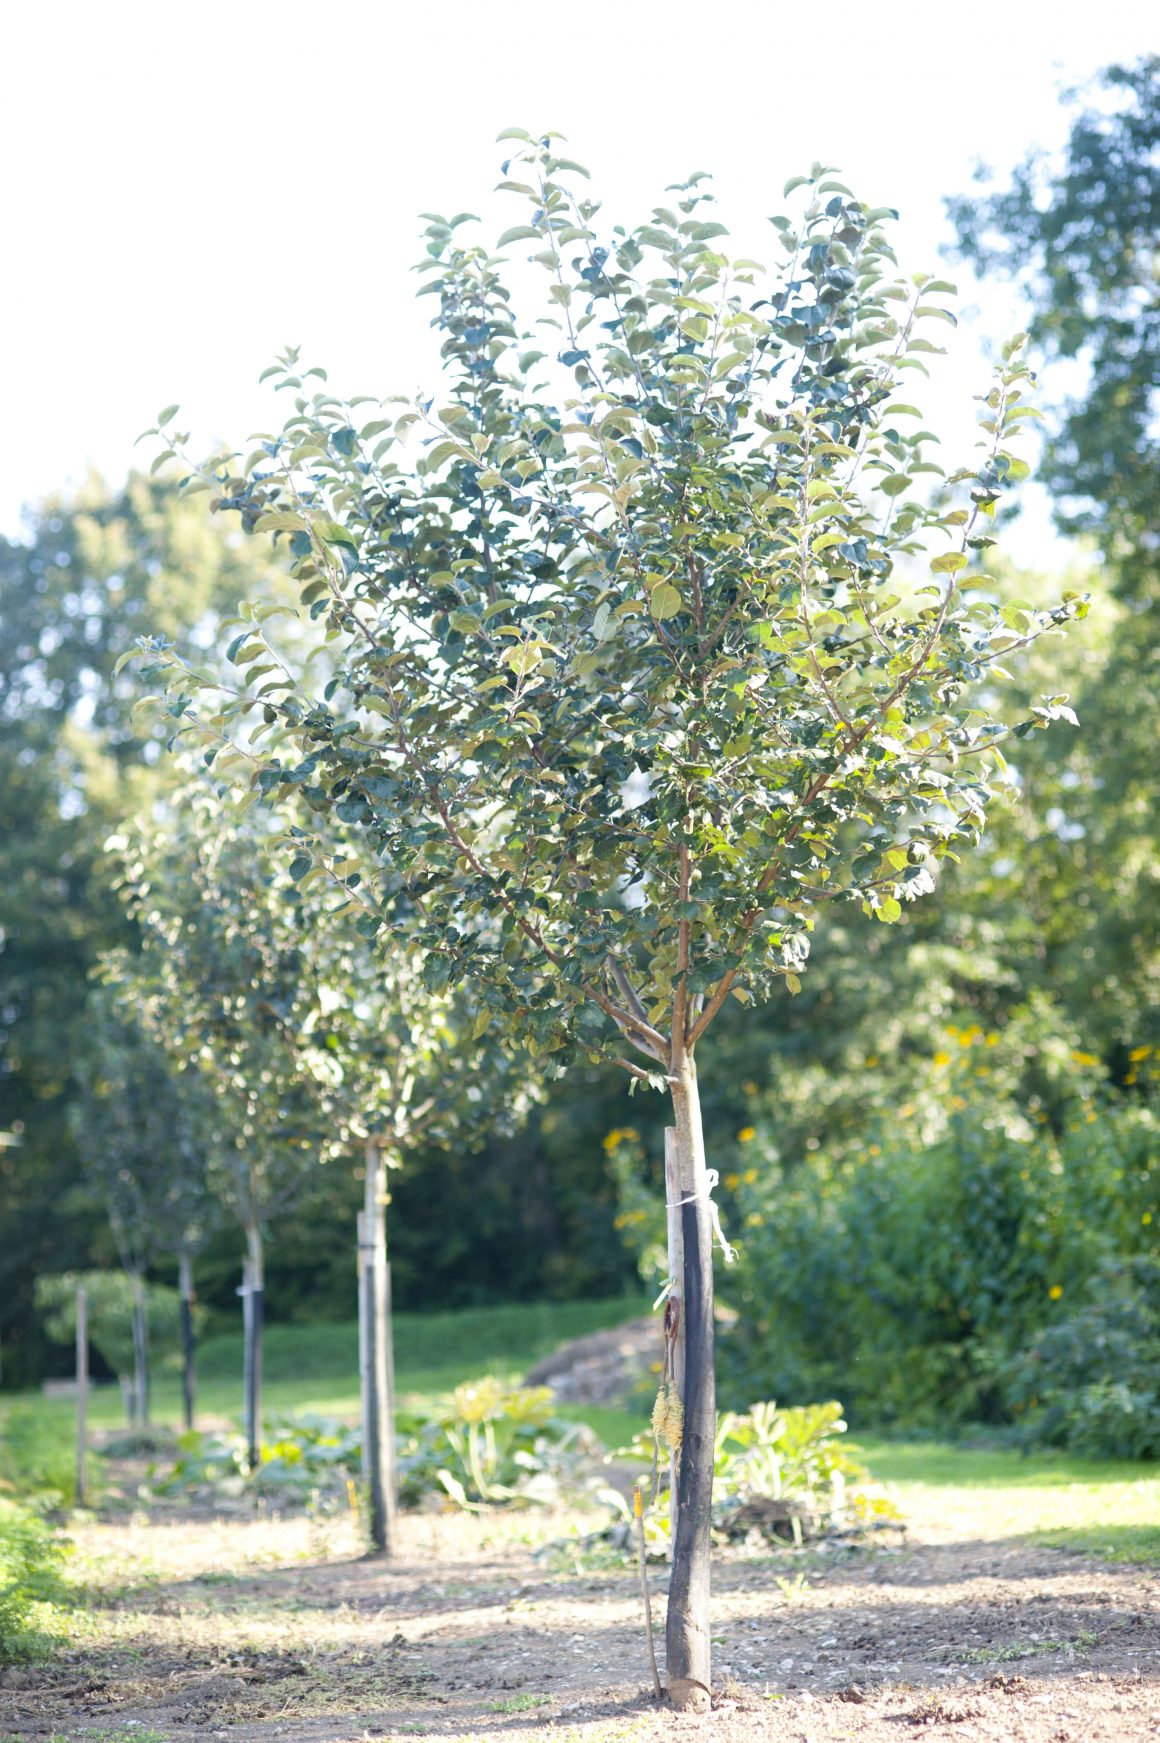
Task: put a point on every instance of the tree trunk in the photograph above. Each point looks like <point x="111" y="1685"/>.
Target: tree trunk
<point x="140" y="1354"/>
<point x="188" y="1345"/>
<point x="687" y="1653"/>
<point x="252" y="1293"/>
<point x="377" y="1366"/>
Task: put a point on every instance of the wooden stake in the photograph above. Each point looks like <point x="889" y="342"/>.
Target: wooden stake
<point x="188" y="1346"/>
<point x="638" y="1515"/>
<point x="376" y="1356"/>
<point x="82" y="1371"/>
<point x="676" y="1258"/>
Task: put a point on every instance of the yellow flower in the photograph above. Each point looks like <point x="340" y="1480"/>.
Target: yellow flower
<point x="905" y="1113"/>
<point x="733" y="1181"/>
<point x="749" y="1176"/>
<point x="1055" y="1291"/>
<point x="755" y="1220"/>
<point x="747" y="1134"/>
<point x="875" y="1150"/>
<point x="617" y="1137"/>
<point x="872" y="1060"/>
<point x="991" y="1040"/>
<point x="1146" y="1218"/>
<point x="1085" y="1058"/>
<point x="1138" y="1053"/>
<point x="942" y="1059"/>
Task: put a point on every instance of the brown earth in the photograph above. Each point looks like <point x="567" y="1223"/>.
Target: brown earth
<point x="274" y="1630"/>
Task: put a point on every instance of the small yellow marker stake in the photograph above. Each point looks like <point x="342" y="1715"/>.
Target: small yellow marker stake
<point x="638" y="1515"/>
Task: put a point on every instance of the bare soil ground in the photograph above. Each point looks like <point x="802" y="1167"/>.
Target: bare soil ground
<point x="275" y="1630"/>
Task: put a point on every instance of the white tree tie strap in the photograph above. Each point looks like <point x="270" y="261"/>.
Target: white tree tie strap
<point x="711" y="1179"/>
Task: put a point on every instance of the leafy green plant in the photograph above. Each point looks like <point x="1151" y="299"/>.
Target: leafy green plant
<point x="298" y="1455"/>
<point x="496" y="1444"/>
<point x="493" y="1445"/>
<point x="31" y="1556"/>
<point x="37" y="1464"/>
<point x="1091" y="1382"/>
<point x="931" y="1255"/>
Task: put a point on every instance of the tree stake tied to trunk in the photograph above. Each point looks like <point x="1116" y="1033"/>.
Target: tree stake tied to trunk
<point x="639" y="645"/>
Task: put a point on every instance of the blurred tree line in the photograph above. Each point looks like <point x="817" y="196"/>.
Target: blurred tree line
<point x="1059" y="914"/>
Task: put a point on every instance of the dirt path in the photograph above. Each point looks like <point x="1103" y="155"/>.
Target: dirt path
<point x="275" y="1631"/>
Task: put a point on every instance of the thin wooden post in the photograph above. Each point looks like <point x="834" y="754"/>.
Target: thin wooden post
<point x="188" y="1340"/>
<point x="676" y="1259"/>
<point x="82" y="1373"/>
<point x="376" y="1356"/>
<point x="252" y="1316"/>
<point x="687" y="1639"/>
<point x="140" y="1353"/>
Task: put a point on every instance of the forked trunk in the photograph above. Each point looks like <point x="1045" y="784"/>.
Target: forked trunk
<point x="188" y="1344"/>
<point x="140" y="1354"/>
<point x="687" y="1654"/>
<point x="252" y="1299"/>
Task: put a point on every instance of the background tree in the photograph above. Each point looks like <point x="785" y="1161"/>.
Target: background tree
<point x="399" y="1067"/>
<point x="94" y="568"/>
<point x="221" y="987"/>
<point x="145" y="1131"/>
<point x="628" y="683"/>
<point x="1079" y="235"/>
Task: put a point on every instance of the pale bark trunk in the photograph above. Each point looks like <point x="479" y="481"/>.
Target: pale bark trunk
<point x="140" y="1354"/>
<point x="376" y="1357"/>
<point x="188" y="1344"/>
<point x="687" y="1645"/>
<point x="252" y="1303"/>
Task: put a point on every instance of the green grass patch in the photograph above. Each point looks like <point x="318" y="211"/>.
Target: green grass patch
<point x="1138" y="1545"/>
<point x="947" y="1464"/>
<point x="520" y="1704"/>
<point x="314" y="1368"/>
<point x="1104" y="1508"/>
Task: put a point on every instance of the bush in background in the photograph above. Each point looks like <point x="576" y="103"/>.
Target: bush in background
<point x="962" y="1259"/>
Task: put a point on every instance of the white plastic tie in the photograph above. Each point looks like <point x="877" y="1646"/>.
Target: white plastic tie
<point x="711" y="1179"/>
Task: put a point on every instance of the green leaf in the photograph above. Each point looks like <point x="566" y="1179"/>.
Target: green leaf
<point x="519" y="233"/>
<point x="664" y="602"/>
<point x="167" y="416"/>
<point x="949" y="563"/>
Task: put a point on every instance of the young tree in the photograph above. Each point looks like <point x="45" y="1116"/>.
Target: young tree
<point x="634" y="656"/>
<point x="399" y="1067"/>
<point x="144" y="1130"/>
<point x="220" y="987"/>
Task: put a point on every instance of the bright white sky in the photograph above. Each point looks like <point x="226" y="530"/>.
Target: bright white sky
<point x="188" y="189"/>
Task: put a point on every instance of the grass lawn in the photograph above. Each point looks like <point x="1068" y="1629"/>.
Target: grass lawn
<point x="1111" y="1509"/>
